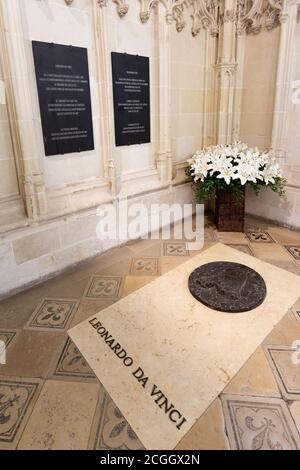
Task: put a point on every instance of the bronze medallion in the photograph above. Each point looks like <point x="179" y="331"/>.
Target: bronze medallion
<point x="228" y="287"/>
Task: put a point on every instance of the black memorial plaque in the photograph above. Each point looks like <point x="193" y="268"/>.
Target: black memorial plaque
<point x="131" y="98"/>
<point x="228" y="287"/>
<point x="62" y="75"/>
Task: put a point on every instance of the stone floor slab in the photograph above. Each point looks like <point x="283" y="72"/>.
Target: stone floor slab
<point x="62" y="417"/>
<point x="188" y="352"/>
<point x="31" y="353"/>
<point x="209" y="431"/>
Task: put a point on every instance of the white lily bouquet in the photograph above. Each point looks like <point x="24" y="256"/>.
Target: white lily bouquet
<point x="232" y="167"/>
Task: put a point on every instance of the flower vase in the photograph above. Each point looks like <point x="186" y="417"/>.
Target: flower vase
<point x="229" y="211"/>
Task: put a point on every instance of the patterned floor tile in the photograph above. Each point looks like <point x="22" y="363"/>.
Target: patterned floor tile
<point x="17" y="398"/>
<point x="110" y="430"/>
<point x="71" y="364"/>
<point x="296" y="312"/>
<point x="53" y="314"/>
<point x="243" y="248"/>
<point x="294" y="250"/>
<point x="259" y="236"/>
<point x="286" y="372"/>
<point x="103" y="287"/>
<point x="7" y="337"/>
<point x="257" y="423"/>
<point x="175" y="249"/>
<point x="145" y="266"/>
<point x="295" y="412"/>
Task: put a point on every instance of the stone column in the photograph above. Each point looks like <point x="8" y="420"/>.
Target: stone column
<point x="163" y="155"/>
<point x="226" y="71"/>
<point x="210" y="97"/>
<point x="20" y="112"/>
<point x="283" y="101"/>
<point x="105" y="104"/>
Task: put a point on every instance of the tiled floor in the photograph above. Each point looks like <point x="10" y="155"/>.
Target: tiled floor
<point x="50" y="399"/>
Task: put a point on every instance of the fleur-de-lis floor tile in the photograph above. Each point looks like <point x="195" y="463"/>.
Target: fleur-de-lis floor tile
<point x="175" y="249"/>
<point x="53" y="314"/>
<point x="259" y="236"/>
<point x="259" y="423"/>
<point x="145" y="266"/>
<point x="294" y="250"/>
<point x="111" y="430"/>
<point x="71" y="364"/>
<point x="103" y="287"/>
<point x="17" y="398"/>
<point x="285" y="365"/>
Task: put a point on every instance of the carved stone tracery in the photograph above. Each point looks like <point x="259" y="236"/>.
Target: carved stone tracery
<point x="122" y="7"/>
<point x="253" y="15"/>
<point x="250" y="16"/>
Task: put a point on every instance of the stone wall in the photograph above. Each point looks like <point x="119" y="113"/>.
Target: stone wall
<point x="48" y="204"/>
<point x="277" y="58"/>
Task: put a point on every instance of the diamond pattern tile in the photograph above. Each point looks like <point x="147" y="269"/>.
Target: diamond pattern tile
<point x="71" y="364"/>
<point x="285" y="364"/>
<point x="7" y="337"/>
<point x="144" y="266"/>
<point x="112" y="430"/>
<point x="103" y="287"/>
<point x="259" y="237"/>
<point x="53" y="314"/>
<point x="294" y="250"/>
<point x="257" y="423"/>
<point x="175" y="249"/>
<point x="16" y="399"/>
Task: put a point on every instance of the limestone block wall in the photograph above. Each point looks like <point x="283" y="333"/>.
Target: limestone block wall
<point x="40" y="251"/>
<point x="259" y="83"/>
<point x="278" y="126"/>
<point x="187" y="92"/>
<point x="48" y="205"/>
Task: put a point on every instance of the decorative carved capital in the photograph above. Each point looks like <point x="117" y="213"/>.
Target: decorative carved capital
<point x="249" y="16"/>
<point x="229" y="16"/>
<point x="205" y="16"/>
<point x="283" y="17"/>
<point x="226" y="69"/>
<point x="145" y="9"/>
<point x="253" y="15"/>
<point x="102" y="3"/>
<point x="122" y="7"/>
